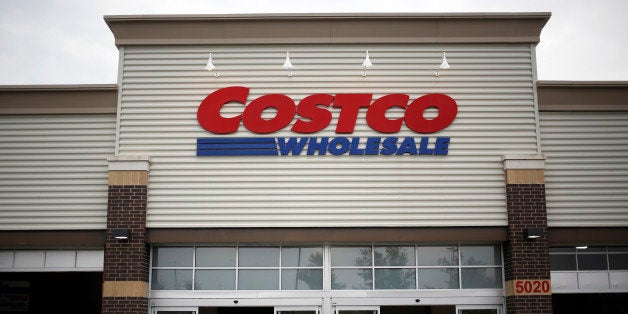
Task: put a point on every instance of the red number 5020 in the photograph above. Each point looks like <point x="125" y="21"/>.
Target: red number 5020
<point x="532" y="286"/>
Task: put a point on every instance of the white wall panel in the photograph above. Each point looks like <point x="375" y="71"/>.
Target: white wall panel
<point x="593" y="280"/>
<point x="492" y="84"/>
<point x="589" y="281"/>
<point x="619" y="280"/>
<point x="60" y="259"/>
<point x="51" y="260"/>
<point x="6" y="259"/>
<point x="29" y="259"/>
<point x="587" y="168"/>
<point x="564" y="281"/>
<point x="87" y="259"/>
<point x="53" y="171"/>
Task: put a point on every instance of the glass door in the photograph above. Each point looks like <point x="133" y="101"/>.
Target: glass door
<point x="174" y="310"/>
<point x="479" y="309"/>
<point x="297" y="310"/>
<point x="356" y="310"/>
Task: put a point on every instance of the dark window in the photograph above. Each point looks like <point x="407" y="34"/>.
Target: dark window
<point x="618" y="261"/>
<point x="592" y="262"/>
<point x="563" y="262"/>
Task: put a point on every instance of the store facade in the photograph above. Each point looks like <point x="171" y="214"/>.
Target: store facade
<point x="329" y="185"/>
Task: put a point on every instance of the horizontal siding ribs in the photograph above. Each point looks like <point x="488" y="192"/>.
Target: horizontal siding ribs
<point x="163" y="86"/>
<point x="53" y="171"/>
<point x="587" y="168"/>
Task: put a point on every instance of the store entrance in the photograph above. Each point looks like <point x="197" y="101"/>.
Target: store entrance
<point x="235" y="310"/>
<point x="389" y="309"/>
<point x="444" y="309"/>
<point x="599" y="303"/>
<point x="51" y="292"/>
<point x="441" y="309"/>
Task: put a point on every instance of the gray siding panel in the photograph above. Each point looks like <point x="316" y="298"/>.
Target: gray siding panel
<point x="162" y="88"/>
<point x="587" y="168"/>
<point x="53" y="171"/>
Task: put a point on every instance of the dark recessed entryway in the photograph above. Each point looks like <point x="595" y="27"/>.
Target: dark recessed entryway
<point x="51" y="292"/>
<point x="383" y="310"/>
<point x="445" y="309"/>
<point x="236" y="310"/>
<point x="598" y="303"/>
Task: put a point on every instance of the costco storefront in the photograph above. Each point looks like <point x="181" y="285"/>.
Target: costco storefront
<point x="394" y="164"/>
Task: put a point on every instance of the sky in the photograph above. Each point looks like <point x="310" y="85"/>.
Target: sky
<point x="68" y="42"/>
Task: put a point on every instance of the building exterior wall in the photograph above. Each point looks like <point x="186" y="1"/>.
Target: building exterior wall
<point x="206" y="198"/>
<point x="487" y="193"/>
<point x="54" y="144"/>
<point x="162" y="87"/>
<point x="584" y="136"/>
<point x="53" y="170"/>
<point x="587" y="167"/>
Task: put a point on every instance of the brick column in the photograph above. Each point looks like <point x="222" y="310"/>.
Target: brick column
<point x="125" y="286"/>
<point x="526" y="260"/>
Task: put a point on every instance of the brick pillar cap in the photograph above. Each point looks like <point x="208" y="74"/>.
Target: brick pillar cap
<point x="132" y="163"/>
<point x="531" y="161"/>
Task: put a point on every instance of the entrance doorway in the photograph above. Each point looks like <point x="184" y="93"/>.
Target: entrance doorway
<point x="413" y="309"/>
<point x="50" y="292"/>
<point x="442" y="309"/>
<point x="235" y="310"/>
<point x="479" y="310"/>
<point x="388" y="309"/>
<point x="600" y="303"/>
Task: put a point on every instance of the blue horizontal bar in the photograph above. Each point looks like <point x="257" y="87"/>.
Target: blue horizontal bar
<point x="237" y="153"/>
<point x="234" y="140"/>
<point x="236" y="146"/>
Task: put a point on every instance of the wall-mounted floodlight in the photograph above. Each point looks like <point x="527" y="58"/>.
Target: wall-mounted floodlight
<point x="443" y="66"/>
<point x="582" y="247"/>
<point x="366" y="64"/>
<point x="121" y="234"/>
<point x="534" y="233"/>
<point x="287" y="64"/>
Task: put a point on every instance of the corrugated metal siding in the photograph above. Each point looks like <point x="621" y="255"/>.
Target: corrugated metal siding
<point x="587" y="168"/>
<point x="53" y="171"/>
<point x="163" y="86"/>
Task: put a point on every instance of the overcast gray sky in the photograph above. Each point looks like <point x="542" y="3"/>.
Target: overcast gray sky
<point x="67" y="41"/>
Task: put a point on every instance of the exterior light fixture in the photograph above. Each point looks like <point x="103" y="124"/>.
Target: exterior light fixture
<point x="210" y="65"/>
<point x="443" y="66"/>
<point x="287" y="64"/>
<point x="120" y="234"/>
<point x="582" y="247"/>
<point x="366" y="64"/>
<point x="534" y="233"/>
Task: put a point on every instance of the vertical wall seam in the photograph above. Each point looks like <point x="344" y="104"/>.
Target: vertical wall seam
<point x="535" y="97"/>
<point x="119" y="104"/>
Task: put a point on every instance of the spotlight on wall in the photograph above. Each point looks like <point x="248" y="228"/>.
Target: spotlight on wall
<point x="120" y="234"/>
<point x="366" y="64"/>
<point x="210" y="65"/>
<point x="443" y="66"/>
<point x="534" y="233"/>
<point x="287" y="64"/>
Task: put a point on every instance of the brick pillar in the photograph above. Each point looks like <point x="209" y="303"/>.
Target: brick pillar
<point x="526" y="260"/>
<point x="125" y="286"/>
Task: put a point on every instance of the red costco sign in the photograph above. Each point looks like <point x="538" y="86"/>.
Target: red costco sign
<point x="313" y="114"/>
